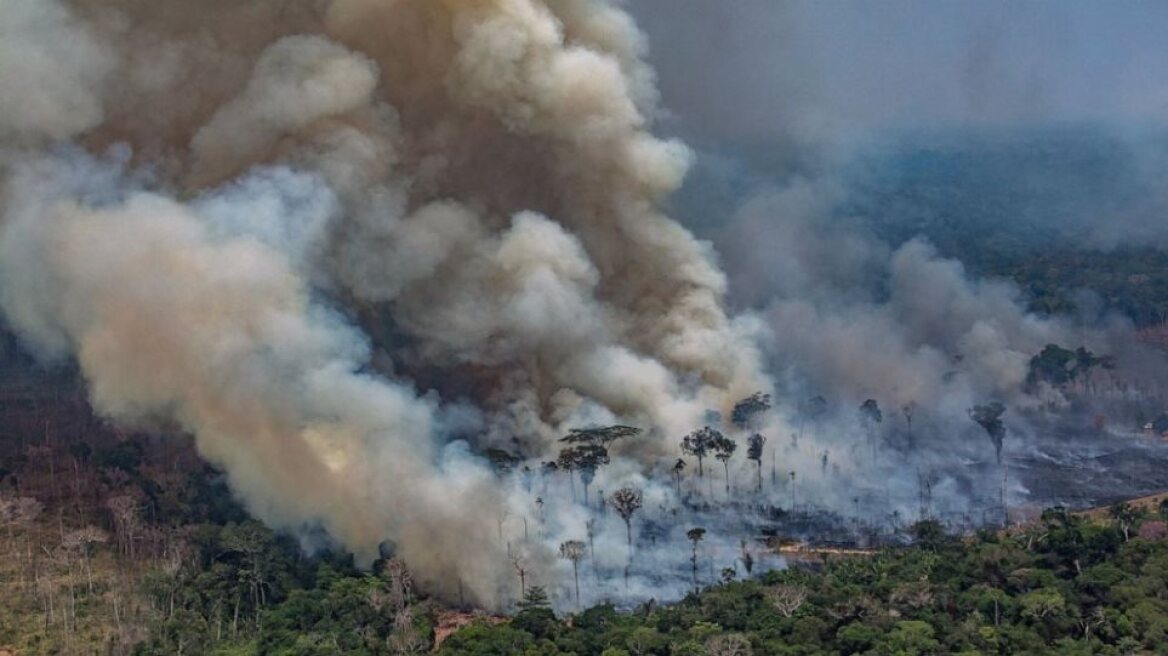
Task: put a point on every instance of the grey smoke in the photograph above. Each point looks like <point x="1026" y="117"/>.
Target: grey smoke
<point x="350" y="245"/>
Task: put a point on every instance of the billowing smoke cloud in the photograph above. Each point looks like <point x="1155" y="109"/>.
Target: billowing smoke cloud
<point x="348" y="244"/>
<point x="858" y="319"/>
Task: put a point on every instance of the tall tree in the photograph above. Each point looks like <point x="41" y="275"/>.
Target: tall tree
<point x="909" y="410"/>
<point x="519" y="561"/>
<point x="627" y="501"/>
<point x="724" y="449"/>
<point x="588" y="451"/>
<point x="695" y="536"/>
<point x="699" y="444"/>
<point x="573" y="550"/>
<point x="754" y="445"/>
<point x="989" y="417"/>
<point x="567" y="462"/>
<point x="678" y="467"/>
<point x="870" y="418"/>
<point x="585" y="458"/>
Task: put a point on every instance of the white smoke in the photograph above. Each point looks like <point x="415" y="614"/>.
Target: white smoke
<point x="315" y="236"/>
<point x="51" y="72"/>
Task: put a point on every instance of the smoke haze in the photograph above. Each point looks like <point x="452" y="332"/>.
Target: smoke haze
<point x="334" y="239"/>
<point x="352" y="245"/>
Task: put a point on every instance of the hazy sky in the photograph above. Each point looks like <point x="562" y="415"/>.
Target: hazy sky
<point x="746" y="68"/>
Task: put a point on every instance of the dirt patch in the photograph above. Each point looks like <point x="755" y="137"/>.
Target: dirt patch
<point x="1150" y="503"/>
<point x="450" y="622"/>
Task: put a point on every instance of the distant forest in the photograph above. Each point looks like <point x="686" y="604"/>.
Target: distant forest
<point x="1077" y="216"/>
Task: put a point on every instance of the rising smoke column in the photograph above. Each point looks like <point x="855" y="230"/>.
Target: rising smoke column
<point x="311" y="234"/>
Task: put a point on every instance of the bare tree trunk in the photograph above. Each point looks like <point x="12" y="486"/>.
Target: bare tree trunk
<point x="694" y="561"/>
<point x="576" y="575"/>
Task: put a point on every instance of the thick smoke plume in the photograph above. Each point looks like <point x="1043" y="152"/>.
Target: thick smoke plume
<point x="349" y="244"/>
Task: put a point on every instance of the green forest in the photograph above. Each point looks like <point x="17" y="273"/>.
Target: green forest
<point x="175" y="567"/>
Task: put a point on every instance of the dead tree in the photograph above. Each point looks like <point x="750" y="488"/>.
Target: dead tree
<point x="729" y="644"/>
<point x="520" y="565"/>
<point x="787" y="599"/>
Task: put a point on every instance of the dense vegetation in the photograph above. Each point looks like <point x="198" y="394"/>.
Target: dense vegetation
<point x="1073" y="216"/>
<point x="1066" y="585"/>
<point x="180" y="570"/>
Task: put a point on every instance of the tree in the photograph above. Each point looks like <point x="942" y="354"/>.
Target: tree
<point x="124" y="509"/>
<point x="871" y="417"/>
<point x="678" y="467"/>
<point x="573" y="550"/>
<point x="602" y="436"/>
<point x="728" y="644"/>
<point x="1058" y="366"/>
<point x="699" y="444"/>
<point x="536" y="597"/>
<point x="1054" y="365"/>
<point x="627" y="501"/>
<point x="589" y="451"/>
<point x="724" y="449"/>
<point x="1125" y="516"/>
<point x="502" y="462"/>
<point x="585" y="458"/>
<point x="535" y="613"/>
<point x="519" y="561"/>
<point x="251" y="540"/>
<point x="909" y="410"/>
<point x="82" y="540"/>
<point x="787" y="599"/>
<point x="746" y="410"/>
<point x="754" y="445"/>
<point x="989" y="417"/>
<point x="567" y="462"/>
<point x="695" y="536"/>
<point x="870" y="412"/>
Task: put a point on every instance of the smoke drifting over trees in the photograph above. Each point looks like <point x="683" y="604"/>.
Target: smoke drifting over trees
<point x="380" y="256"/>
<point x="349" y="244"/>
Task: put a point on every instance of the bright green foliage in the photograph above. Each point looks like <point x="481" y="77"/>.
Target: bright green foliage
<point x="1067" y="585"/>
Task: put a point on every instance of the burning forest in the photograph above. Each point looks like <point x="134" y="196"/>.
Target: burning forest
<point x="408" y="273"/>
